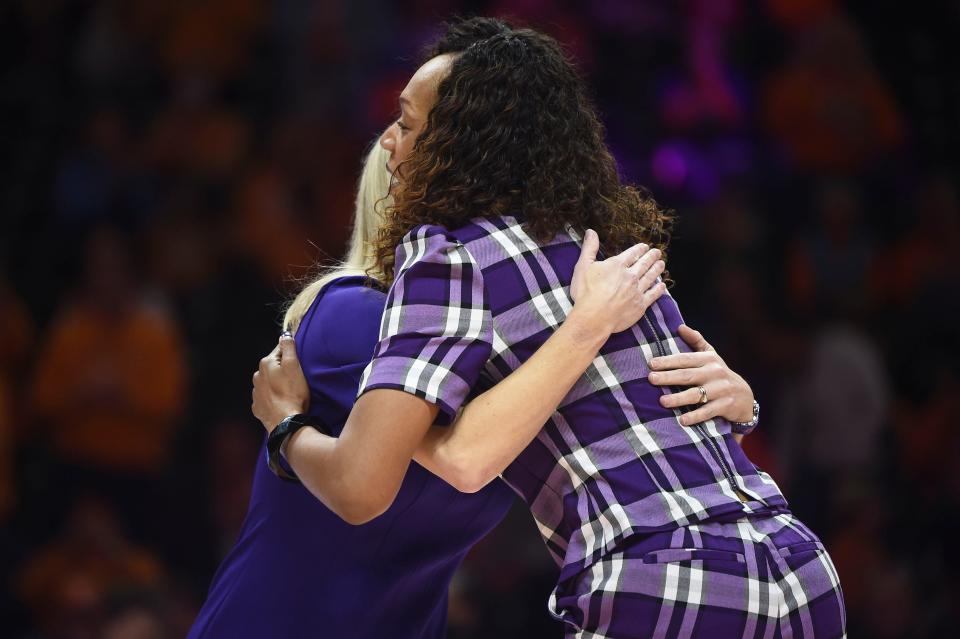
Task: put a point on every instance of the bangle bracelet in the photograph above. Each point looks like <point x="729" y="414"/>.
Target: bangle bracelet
<point x="281" y="434"/>
<point x="745" y="428"/>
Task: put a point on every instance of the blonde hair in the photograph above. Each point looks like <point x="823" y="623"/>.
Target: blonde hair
<point x="372" y="195"/>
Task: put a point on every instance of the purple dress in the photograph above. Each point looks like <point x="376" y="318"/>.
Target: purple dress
<point x="297" y="569"/>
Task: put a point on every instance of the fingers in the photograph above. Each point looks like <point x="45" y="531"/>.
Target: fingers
<point x="718" y="402"/>
<point x="681" y="377"/>
<point x="270" y="360"/>
<point x="687" y="376"/>
<point x="630" y="256"/>
<point x="591" y="245"/>
<point x="649" y="279"/>
<point x="288" y="349"/>
<point x="694" y="339"/>
<point x="651" y="295"/>
<point x="708" y="411"/>
<point x="253" y="393"/>
<point x="682" y="398"/>
<point x="716" y="390"/>
<point x="642" y="264"/>
<point x="682" y="360"/>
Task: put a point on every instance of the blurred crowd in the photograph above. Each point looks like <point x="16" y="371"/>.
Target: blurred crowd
<point x="174" y="169"/>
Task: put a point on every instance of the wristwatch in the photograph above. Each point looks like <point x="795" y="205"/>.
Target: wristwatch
<point x="745" y="428"/>
<point x="281" y="433"/>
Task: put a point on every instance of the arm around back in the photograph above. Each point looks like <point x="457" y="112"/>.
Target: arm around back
<point x="494" y="428"/>
<point x="422" y="370"/>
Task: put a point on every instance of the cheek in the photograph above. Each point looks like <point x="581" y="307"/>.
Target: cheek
<point x="404" y="145"/>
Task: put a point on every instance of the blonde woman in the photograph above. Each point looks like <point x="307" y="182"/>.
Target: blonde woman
<point x="298" y="569"/>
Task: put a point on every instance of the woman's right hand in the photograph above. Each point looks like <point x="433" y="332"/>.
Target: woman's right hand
<point x="612" y="295"/>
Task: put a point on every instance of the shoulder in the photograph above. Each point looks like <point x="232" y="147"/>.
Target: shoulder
<point x="348" y="294"/>
<point x="426" y="242"/>
<point x="432" y="245"/>
<point x="472" y="230"/>
<point x="342" y="324"/>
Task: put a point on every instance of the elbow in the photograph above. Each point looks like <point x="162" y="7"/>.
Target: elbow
<point x="472" y="485"/>
<point x="360" y="509"/>
<point x="353" y="508"/>
<point x="468" y="476"/>
<point x="466" y="467"/>
<point x="357" y="514"/>
<point x="471" y="482"/>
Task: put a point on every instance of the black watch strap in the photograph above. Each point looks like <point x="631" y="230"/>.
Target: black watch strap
<point x="281" y="433"/>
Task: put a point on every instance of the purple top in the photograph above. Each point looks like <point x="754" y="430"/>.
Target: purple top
<point x="297" y="569"/>
<point x="470" y="305"/>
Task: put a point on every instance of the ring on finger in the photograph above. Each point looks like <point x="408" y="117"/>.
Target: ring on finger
<point x="703" y="394"/>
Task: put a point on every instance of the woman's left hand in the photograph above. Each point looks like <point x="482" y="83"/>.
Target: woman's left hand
<point x="728" y="395"/>
<point x="279" y="387"/>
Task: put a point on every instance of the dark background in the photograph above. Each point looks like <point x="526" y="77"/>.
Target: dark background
<point x="171" y="167"/>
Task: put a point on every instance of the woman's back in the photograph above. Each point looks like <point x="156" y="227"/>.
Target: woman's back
<point x="612" y="463"/>
<point x="297" y="569"/>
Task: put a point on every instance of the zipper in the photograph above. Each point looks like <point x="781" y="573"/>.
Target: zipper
<point x="711" y="444"/>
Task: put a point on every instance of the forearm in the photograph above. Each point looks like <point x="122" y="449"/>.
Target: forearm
<point x="316" y="460"/>
<point x="496" y="426"/>
<point x="358" y="474"/>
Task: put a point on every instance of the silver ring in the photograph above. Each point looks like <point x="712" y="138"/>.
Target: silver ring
<point x="703" y="394"/>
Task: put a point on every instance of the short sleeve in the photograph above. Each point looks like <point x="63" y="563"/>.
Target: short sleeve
<point x="436" y="334"/>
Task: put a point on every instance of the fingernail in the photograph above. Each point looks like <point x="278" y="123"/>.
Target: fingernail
<point x="653" y="377"/>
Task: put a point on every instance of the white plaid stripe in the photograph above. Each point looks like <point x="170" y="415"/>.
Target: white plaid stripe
<point x="753" y="581"/>
<point x="440" y="347"/>
<point x="435" y="349"/>
<point x="687" y="601"/>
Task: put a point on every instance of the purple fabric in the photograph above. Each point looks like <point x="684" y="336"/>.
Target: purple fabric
<point x="297" y="569"/>
<point x="757" y="577"/>
<point x="470" y="305"/>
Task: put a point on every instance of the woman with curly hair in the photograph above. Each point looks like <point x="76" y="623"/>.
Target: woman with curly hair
<point x="297" y="569"/>
<point x="660" y="524"/>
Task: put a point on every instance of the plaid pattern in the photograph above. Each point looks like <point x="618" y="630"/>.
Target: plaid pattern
<point x="469" y="306"/>
<point x="436" y="330"/>
<point x="768" y="577"/>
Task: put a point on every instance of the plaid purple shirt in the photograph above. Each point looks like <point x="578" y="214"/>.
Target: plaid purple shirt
<point x="469" y="306"/>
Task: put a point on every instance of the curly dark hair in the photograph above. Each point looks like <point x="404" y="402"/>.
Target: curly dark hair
<point x="513" y="132"/>
<point x="460" y="33"/>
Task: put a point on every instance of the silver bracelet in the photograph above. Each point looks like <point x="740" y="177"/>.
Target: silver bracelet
<point x="745" y="428"/>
